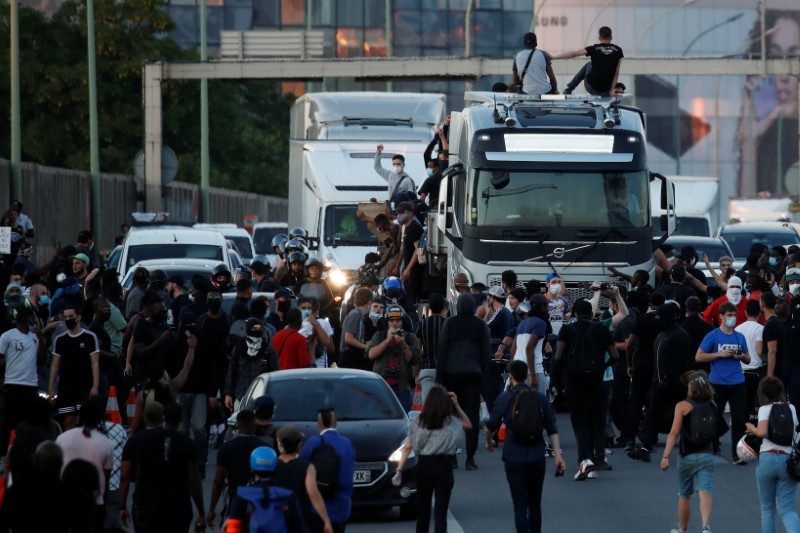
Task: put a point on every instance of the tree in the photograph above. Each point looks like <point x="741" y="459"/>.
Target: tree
<point x="54" y="96"/>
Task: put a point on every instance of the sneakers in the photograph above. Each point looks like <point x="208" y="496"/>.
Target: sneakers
<point x="630" y="446"/>
<point x="470" y="464"/>
<point x="591" y="475"/>
<point x="706" y="529"/>
<point x="677" y="530"/>
<point x="586" y="467"/>
<point x="642" y="454"/>
<point x="739" y="462"/>
<point x="603" y="465"/>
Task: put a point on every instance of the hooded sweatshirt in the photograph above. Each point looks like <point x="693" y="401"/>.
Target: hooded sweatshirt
<point x="397" y="182"/>
<point x="464" y="346"/>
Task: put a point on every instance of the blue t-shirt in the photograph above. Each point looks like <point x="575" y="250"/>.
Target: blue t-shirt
<point x="725" y="370"/>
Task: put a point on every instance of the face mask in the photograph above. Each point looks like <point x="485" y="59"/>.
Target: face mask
<point x="430" y="172"/>
<point x="71" y="323"/>
<point x="734" y="296"/>
<point x="794" y="289"/>
<point x="555" y="289"/>
<point x="44" y="300"/>
<point x="402" y="218"/>
<point x="398" y="168"/>
<point x="214" y="305"/>
<point x="253" y="345"/>
<point x="283" y="307"/>
<point x="375" y="316"/>
<point x="730" y="321"/>
<point x="773" y="261"/>
<point x="266" y="315"/>
<point x="305" y="313"/>
<point x="159" y="318"/>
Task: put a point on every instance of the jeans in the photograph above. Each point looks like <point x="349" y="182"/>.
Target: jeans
<point x="601" y="431"/>
<point x="776" y="487"/>
<point x="406" y="398"/>
<point x="195" y="411"/>
<point x="467" y="387"/>
<point x="581" y="77"/>
<point x="427" y="379"/>
<point x="434" y="476"/>
<point x="525" y="482"/>
<point x="735" y="395"/>
<point x="586" y="415"/>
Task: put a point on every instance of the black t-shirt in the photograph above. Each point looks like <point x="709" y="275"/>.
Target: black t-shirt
<point x="213" y="338"/>
<point x="679" y="293"/>
<point x="240" y="309"/>
<point x="277" y="322"/>
<point x="605" y="58"/>
<point x="643" y="357"/>
<point x="162" y="471"/>
<point x="146" y="334"/>
<point x="412" y="234"/>
<point x="292" y="476"/>
<point x="621" y="334"/>
<point x="75" y="368"/>
<point x="774" y="331"/>
<point x="601" y="338"/>
<point x="697" y="328"/>
<point x="431" y="187"/>
<point x="235" y="457"/>
<point x="177" y="305"/>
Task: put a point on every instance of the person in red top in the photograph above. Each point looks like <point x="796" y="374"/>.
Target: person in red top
<point x="734" y="296"/>
<point x="290" y="345"/>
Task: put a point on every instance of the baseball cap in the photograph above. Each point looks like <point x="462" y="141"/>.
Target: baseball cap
<point x="177" y="279"/>
<point x="529" y="40"/>
<point x="497" y="292"/>
<point x="81" y="257"/>
<point x="792" y="274"/>
<point x="550" y="276"/>
<point x="283" y="293"/>
<point x="781" y="295"/>
<point x="394" y="311"/>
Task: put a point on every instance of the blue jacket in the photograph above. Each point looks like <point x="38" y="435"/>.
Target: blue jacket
<point x="338" y="508"/>
<point x="514" y="452"/>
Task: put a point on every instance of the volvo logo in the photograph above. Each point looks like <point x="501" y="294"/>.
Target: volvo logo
<point x="558" y="253"/>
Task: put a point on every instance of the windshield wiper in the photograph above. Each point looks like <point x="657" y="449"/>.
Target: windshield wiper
<point x="597" y="243"/>
<point x="337" y="242"/>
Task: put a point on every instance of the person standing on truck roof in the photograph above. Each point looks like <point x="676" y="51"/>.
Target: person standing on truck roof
<point x="532" y="71"/>
<point x="399" y="182"/>
<point x="600" y="75"/>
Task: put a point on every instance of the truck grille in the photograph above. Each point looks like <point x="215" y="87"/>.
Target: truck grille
<point x="574" y="291"/>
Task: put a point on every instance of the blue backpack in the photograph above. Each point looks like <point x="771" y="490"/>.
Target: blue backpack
<point x="269" y="506"/>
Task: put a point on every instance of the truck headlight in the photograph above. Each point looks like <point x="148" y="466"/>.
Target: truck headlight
<point x="337" y="277"/>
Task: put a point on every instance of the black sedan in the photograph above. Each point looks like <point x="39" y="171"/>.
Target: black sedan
<point x="369" y="415"/>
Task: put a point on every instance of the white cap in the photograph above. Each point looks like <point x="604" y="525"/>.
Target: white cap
<point x="734" y="280"/>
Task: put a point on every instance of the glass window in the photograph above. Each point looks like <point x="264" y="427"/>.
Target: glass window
<point x="143" y="252"/>
<point x="375" y="14"/>
<point x="266" y="13"/>
<point x="514" y="27"/>
<point x="460" y="5"/>
<point x="519" y="5"/>
<point x="238" y="18"/>
<point x="433" y="4"/>
<point x="406" y="28"/>
<point x="350" y="13"/>
<point x="342" y="226"/>
<point x="406" y="51"/>
<point x="293" y="12"/>
<point x="404" y="4"/>
<point x="186" y="30"/>
<point x="349" y="42"/>
<point x="536" y="199"/>
<point x="323" y="13"/>
<point x="375" y="42"/>
<point x="216" y="17"/>
<point x="488" y="4"/>
<point x="487" y="30"/>
<point x="434" y="34"/>
<point x="455" y="37"/>
<point x="741" y="241"/>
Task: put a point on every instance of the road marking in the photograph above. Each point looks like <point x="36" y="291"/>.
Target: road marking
<point x="452" y="524"/>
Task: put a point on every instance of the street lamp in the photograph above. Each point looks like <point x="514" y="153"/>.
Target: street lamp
<point x="677" y="117"/>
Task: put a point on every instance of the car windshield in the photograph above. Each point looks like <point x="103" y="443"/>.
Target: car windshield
<point x="145" y="252"/>
<point x="262" y="238"/>
<point x="342" y="226"/>
<point x="741" y="241"/>
<point x="714" y="250"/>
<point x="353" y="398"/>
<point x="555" y="198"/>
<point x="243" y="245"/>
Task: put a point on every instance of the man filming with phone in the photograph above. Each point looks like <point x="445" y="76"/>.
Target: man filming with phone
<point x="395" y="352"/>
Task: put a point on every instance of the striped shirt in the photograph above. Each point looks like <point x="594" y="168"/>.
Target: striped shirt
<point x="428" y="333"/>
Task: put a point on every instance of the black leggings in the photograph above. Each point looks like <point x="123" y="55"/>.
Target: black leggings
<point x="735" y="395"/>
<point x="434" y="475"/>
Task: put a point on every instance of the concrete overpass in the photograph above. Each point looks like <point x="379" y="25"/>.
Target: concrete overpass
<point x="396" y="68"/>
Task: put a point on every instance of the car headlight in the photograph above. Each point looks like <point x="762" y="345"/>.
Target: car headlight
<point x="337" y="277"/>
<point x="395" y="457"/>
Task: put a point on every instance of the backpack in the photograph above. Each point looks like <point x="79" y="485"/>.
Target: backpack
<point x="583" y="354"/>
<point x="527" y="419"/>
<point x="326" y="462"/>
<point x="702" y="423"/>
<point x="268" y="506"/>
<point x="780" y="429"/>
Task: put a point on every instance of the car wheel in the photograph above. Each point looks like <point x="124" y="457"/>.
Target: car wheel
<point x="408" y="511"/>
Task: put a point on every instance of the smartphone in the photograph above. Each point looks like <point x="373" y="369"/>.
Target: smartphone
<point x="187" y="333"/>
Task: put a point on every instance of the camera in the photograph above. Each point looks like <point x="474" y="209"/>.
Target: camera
<point x="400" y="332"/>
<point x="738" y="351"/>
<point x="605" y="286"/>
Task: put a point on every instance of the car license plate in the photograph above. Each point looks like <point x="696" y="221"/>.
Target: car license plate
<point x="362" y="476"/>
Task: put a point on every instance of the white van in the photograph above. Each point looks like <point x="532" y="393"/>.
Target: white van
<point x="239" y="236"/>
<point x="171" y="243"/>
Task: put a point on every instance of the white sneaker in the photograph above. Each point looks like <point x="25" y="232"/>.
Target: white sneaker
<point x="591" y="475"/>
<point x="584" y="469"/>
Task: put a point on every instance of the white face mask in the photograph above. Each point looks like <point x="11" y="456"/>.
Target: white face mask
<point x="734" y="296"/>
<point x="555" y="289"/>
<point x="398" y="168"/>
<point x="794" y="289"/>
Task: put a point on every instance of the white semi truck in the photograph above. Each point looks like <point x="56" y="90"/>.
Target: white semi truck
<point x="542" y="184"/>
<point x="331" y="165"/>
<point x="698" y="205"/>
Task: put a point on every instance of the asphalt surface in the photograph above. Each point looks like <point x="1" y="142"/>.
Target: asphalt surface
<point x="634" y="497"/>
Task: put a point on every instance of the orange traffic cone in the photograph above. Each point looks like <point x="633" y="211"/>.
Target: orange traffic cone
<point x="417" y="405"/>
<point x="130" y="406"/>
<point x="112" y="407"/>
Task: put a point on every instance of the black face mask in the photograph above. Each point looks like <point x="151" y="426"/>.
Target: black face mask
<point x="214" y="305"/>
<point x="284" y="307"/>
<point x="71" y="323"/>
<point x="159" y="318"/>
<point x="105" y="315"/>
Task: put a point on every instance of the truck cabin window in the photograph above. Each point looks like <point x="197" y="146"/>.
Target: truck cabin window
<point x="561" y="199"/>
<point x="342" y="226"/>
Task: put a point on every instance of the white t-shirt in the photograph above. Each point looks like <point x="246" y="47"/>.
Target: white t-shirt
<point x="752" y="332"/>
<point x="536" y="80"/>
<point x="97" y="449"/>
<point x="20" y="350"/>
<point x="307" y="330"/>
<point x="766" y="444"/>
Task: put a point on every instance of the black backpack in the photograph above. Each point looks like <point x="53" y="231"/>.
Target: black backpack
<point x="326" y="462"/>
<point x="583" y="356"/>
<point x="702" y="423"/>
<point x="780" y="429"/>
<point x="527" y="419"/>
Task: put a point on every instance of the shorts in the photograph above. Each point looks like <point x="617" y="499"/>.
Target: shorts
<point x="695" y="473"/>
<point x="69" y="401"/>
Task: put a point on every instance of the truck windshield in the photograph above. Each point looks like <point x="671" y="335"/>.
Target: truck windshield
<point x="554" y="198"/>
<point x="343" y="227"/>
